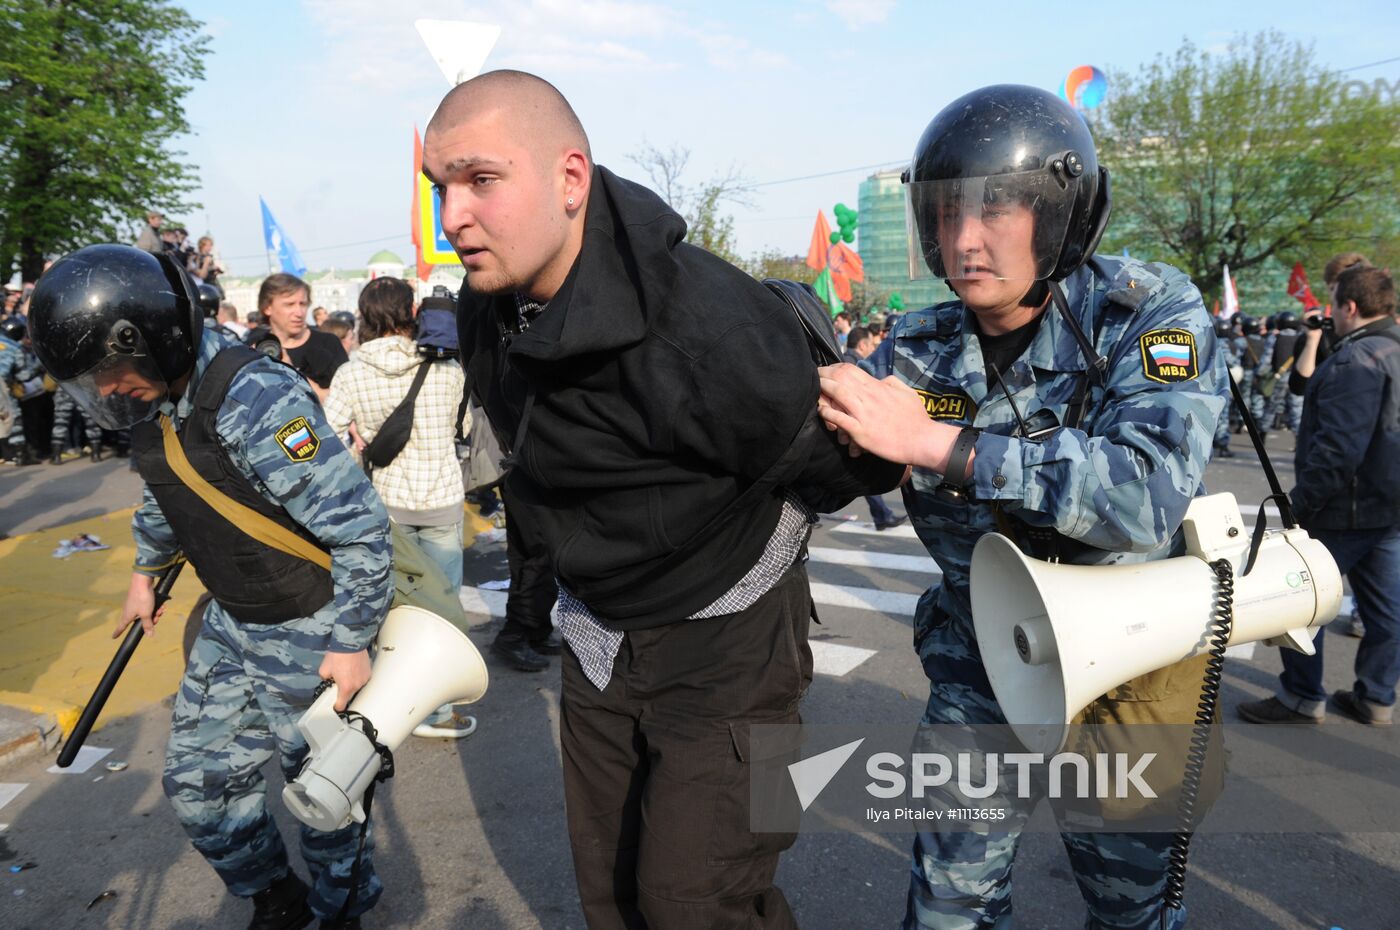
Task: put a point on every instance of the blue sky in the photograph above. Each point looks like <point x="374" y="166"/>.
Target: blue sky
<point x="313" y="104"/>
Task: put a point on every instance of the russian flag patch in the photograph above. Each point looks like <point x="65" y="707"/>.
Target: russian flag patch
<point x="1169" y="355"/>
<point x="298" y="440"/>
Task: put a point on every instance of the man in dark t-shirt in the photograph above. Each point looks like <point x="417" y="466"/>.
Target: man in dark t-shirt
<point x="283" y="300"/>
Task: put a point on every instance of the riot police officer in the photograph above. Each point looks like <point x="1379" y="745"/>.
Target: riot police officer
<point x="1229" y="350"/>
<point x="122" y="331"/>
<point x="1086" y="394"/>
<point x="15" y="368"/>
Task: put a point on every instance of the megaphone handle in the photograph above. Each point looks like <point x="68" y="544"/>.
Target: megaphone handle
<point x="1221" y="624"/>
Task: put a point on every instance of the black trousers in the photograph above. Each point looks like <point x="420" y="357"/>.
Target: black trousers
<point x="656" y="768"/>
<point x="533" y="590"/>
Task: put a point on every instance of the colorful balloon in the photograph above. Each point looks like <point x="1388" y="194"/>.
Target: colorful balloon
<point x="1085" y="87"/>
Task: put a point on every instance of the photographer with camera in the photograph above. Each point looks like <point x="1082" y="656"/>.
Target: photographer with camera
<point x="1348" y="497"/>
<point x="204" y="264"/>
<point x="1319" y="336"/>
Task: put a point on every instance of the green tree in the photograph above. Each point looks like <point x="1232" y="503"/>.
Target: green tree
<point x="701" y="205"/>
<point x="91" y="95"/>
<point x="772" y="263"/>
<point x="1255" y="158"/>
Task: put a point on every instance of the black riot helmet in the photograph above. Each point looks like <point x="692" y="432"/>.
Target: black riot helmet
<point x="116" y="326"/>
<point x="1224" y="327"/>
<point x="209" y="299"/>
<point x="998" y="146"/>
<point x="12" y="327"/>
<point x="1248" y="325"/>
<point x="1286" y="320"/>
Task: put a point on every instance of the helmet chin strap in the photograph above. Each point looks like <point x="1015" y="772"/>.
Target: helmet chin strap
<point x="1036" y="295"/>
<point x="1098" y="364"/>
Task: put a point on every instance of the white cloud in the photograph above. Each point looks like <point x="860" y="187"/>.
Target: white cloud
<point x="373" y="44"/>
<point x="858" y="13"/>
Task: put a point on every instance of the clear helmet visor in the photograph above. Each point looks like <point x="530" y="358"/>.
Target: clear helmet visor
<point x="1006" y="227"/>
<point x="120" y="391"/>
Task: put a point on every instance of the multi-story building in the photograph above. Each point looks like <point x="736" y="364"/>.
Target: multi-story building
<point x="882" y="241"/>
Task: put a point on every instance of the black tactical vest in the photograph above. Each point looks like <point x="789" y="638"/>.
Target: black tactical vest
<point x="253" y="582"/>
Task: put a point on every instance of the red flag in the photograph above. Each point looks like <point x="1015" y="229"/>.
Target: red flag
<point x="1298" y="287"/>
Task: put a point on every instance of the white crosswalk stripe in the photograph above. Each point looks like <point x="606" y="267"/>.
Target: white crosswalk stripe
<point x="836" y="660"/>
<point x="857" y="526"/>
<point x="922" y="564"/>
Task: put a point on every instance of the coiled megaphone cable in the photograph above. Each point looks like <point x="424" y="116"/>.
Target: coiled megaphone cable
<point x="1221" y="624"/>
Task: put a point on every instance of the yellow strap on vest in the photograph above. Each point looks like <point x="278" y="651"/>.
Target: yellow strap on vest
<point x="244" y="518"/>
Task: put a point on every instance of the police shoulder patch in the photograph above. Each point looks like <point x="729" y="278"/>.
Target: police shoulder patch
<point x="298" y="440"/>
<point x="951" y="406"/>
<point x="1169" y="355"/>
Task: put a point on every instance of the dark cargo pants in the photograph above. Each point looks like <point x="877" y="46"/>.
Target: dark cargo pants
<point x="656" y="768"/>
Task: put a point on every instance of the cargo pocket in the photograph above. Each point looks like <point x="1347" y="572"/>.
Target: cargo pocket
<point x="756" y="809"/>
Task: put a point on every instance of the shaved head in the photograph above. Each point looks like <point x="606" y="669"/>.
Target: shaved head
<point x="529" y="107"/>
<point x="510" y="163"/>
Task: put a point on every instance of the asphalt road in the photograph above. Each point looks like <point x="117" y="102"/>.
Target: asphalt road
<point x="472" y="834"/>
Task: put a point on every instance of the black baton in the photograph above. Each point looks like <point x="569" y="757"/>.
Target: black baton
<point x="164" y="583"/>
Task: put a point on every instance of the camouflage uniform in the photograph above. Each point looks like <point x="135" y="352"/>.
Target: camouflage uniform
<point x="14" y="369"/>
<point x="64" y="409"/>
<point x="1265" y="405"/>
<point x="1230" y="352"/>
<point x="247" y="684"/>
<point x="1116" y="489"/>
<point x="1246" y="383"/>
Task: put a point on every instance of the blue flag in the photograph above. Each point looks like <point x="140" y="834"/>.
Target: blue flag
<point x="277" y="241"/>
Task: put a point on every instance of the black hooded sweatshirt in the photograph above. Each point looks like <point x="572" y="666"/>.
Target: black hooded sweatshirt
<point x="658" y="387"/>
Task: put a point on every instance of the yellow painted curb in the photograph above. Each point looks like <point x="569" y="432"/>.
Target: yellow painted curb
<point x="475" y="523"/>
<point x="59" y="613"/>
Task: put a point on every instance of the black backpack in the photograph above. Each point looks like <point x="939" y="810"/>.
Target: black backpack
<point x="814" y="317"/>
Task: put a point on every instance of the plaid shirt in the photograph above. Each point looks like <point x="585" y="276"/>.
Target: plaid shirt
<point x="597" y="645"/>
<point x="426" y="475"/>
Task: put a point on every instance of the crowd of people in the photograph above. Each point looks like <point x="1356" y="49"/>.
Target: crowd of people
<point x="668" y="446"/>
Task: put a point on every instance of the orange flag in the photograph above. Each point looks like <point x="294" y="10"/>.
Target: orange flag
<point x="821" y="240"/>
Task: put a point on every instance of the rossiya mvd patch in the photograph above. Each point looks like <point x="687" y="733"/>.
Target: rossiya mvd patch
<point x="1169" y="355"/>
<point x="298" y="440"/>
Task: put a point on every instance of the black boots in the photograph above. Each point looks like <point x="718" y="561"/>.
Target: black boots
<point x="97" y="451"/>
<point x="281" y="907"/>
<point x="57" y="456"/>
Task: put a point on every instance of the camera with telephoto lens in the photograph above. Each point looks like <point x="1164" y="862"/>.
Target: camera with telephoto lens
<point x="1318" y="321"/>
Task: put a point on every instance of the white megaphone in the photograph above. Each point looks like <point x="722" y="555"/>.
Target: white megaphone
<point x="1054" y="637"/>
<point x="422" y="663"/>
